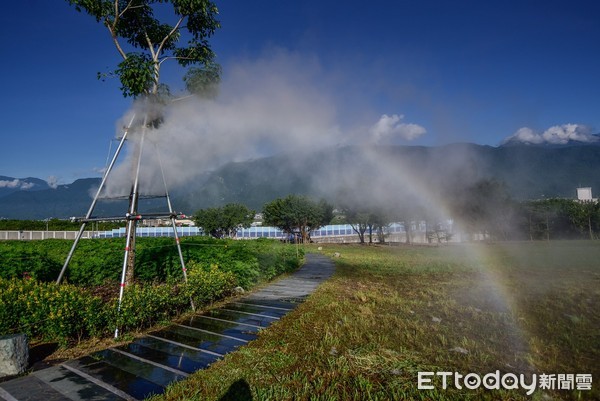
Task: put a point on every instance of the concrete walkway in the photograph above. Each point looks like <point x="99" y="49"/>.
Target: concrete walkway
<point x="146" y="366"/>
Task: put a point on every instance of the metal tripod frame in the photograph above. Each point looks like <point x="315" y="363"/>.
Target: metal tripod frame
<point x="132" y="217"/>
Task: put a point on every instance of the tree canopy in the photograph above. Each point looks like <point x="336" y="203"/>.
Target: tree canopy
<point x="297" y="214"/>
<point x="145" y="42"/>
<point x="224" y="221"/>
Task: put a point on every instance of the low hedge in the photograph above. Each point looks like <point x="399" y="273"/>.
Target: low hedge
<point x="97" y="260"/>
<point x="48" y="311"/>
<point x="67" y="312"/>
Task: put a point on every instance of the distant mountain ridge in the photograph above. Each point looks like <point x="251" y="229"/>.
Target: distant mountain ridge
<point x="9" y="185"/>
<point x="592" y="140"/>
<point x="529" y="172"/>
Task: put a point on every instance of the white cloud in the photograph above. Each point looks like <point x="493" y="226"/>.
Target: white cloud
<point x="568" y="132"/>
<point x="392" y="127"/>
<point x="556" y="135"/>
<point x="16" y="183"/>
<point x="9" y="184"/>
<point x="52" y="181"/>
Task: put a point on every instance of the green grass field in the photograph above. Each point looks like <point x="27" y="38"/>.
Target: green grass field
<point x="391" y="312"/>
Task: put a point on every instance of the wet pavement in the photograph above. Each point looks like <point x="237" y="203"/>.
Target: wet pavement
<point x="149" y="364"/>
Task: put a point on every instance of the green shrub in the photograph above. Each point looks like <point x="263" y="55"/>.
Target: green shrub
<point x="49" y="311"/>
<point x="145" y="305"/>
<point x="68" y="312"/>
<point x="207" y="285"/>
<point x="20" y="261"/>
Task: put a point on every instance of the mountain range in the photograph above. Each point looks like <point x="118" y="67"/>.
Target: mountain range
<point x="384" y="172"/>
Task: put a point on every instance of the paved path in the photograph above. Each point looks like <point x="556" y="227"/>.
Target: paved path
<point x="146" y="366"/>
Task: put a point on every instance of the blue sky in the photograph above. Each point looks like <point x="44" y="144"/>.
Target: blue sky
<point x="475" y="71"/>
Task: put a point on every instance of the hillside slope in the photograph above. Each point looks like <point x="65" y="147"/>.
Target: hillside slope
<point x="529" y="172"/>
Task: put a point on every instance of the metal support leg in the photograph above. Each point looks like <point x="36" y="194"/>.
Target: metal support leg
<point x="131" y="221"/>
<point x="93" y="205"/>
<point x="183" y="268"/>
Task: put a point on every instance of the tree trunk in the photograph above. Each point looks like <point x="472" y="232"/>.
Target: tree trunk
<point x="133" y="205"/>
<point x="129" y="275"/>
<point x="407" y="230"/>
<point x="360" y="231"/>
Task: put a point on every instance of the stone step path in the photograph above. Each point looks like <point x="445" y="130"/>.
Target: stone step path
<point x="146" y="366"/>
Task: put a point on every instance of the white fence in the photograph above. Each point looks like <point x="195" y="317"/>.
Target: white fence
<point x="35" y="235"/>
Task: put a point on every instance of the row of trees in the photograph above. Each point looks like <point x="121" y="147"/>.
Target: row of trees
<point x="486" y="209"/>
<point x="295" y="215"/>
<point x="560" y="218"/>
<point x="483" y="210"/>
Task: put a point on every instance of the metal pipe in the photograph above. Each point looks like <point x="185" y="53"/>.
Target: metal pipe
<point x="183" y="268"/>
<point x="131" y="223"/>
<point x="130" y="217"/>
<point x="93" y="205"/>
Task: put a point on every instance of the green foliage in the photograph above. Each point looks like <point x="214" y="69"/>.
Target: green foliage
<point x="20" y="262"/>
<point x="136" y="74"/>
<point x="585" y="215"/>
<point x="299" y="214"/>
<point x="49" y="311"/>
<point x="208" y="285"/>
<point x="145" y="305"/>
<point x="71" y="312"/>
<point x="281" y="259"/>
<point x="155" y="41"/>
<point x="203" y="81"/>
<point x="251" y="262"/>
<point x="549" y="219"/>
<point x="99" y="260"/>
<point x="224" y="221"/>
<point x="364" y="209"/>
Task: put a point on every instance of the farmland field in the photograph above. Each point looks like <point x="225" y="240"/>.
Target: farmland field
<point x="392" y="312"/>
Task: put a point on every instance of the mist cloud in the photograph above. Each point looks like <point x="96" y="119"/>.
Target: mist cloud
<point x="556" y="135"/>
<point x="279" y="103"/>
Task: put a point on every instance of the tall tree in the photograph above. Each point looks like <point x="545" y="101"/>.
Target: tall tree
<point x="584" y="215"/>
<point x="144" y="43"/>
<point x="224" y="221"/>
<point x="297" y="214"/>
<point x="552" y="218"/>
<point x="357" y="207"/>
<point x="366" y="208"/>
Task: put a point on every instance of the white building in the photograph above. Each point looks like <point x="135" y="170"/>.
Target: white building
<point x="585" y="194"/>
